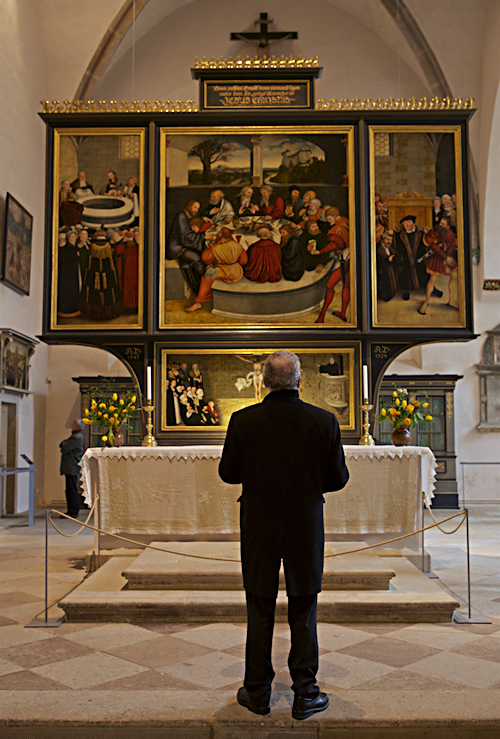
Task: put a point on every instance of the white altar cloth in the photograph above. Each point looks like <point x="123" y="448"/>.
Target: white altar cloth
<point x="177" y="491"/>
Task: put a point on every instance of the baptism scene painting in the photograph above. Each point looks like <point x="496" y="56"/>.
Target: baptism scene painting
<point x="258" y="227"/>
<point x="201" y="389"/>
<point x="97" y="251"/>
<point x="417" y="227"/>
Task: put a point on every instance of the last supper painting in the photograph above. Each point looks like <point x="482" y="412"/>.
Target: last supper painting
<point x="257" y="227"/>
<point x="97" y="229"/>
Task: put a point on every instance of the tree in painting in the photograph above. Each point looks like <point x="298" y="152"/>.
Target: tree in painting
<point x="211" y="151"/>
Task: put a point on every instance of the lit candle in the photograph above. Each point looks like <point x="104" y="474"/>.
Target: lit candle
<point x="365" y="382"/>
<point x="149" y="393"/>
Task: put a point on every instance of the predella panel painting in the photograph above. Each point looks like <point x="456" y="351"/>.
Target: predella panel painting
<point x="417" y="227"/>
<point x="98" y="220"/>
<point x="200" y="389"/>
<point x="257" y="227"/>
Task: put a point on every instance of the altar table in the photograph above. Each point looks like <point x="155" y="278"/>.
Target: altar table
<point x="175" y="492"/>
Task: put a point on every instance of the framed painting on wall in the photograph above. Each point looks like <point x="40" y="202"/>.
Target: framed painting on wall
<point x="257" y="227"/>
<point x="417" y="227"/>
<point x="17" y="246"/>
<point x="200" y="388"/>
<point x="98" y="229"/>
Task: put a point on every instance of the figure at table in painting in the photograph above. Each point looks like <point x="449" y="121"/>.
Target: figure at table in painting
<point x="187" y="245"/>
<point x="102" y="296"/>
<point x="218" y="210"/>
<point x="225" y="259"/>
<point x="410" y="246"/>
<point x="292" y="256"/>
<point x="209" y="415"/>
<point x="313" y="212"/>
<point x="334" y="367"/>
<point x="293" y="203"/>
<point x="244" y="204"/>
<point x="255" y="377"/>
<point x="81" y="187"/>
<point x="306" y="199"/>
<point x="264" y="258"/>
<point x="113" y="186"/>
<point x="443" y="243"/>
<point x="388" y="267"/>
<point x="313" y="242"/>
<point x="338" y="244"/>
<point x="272" y="205"/>
<point x="70" y="210"/>
<point x="126" y="256"/>
<point x="68" y="276"/>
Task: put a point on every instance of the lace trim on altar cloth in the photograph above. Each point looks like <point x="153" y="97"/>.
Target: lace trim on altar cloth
<point x="141" y="452"/>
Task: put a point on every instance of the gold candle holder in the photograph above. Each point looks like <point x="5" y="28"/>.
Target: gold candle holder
<point x="149" y="439"/>
<point x="367" y="439"/>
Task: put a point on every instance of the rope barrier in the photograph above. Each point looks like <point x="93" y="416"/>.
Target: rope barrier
<point x="440" y="522"/>
<point x="68" y="536"/>
<point x="224" y="559"/>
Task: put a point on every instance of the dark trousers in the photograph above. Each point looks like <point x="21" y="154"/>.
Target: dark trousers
<point x="303" y="657"/>
<point x="73" y="498"/>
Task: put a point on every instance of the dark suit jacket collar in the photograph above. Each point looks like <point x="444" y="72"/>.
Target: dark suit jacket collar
<point x="281" y="395"/>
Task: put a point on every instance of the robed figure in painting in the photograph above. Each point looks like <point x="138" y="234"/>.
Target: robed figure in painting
<point x="264" y="258"/>
<point x="102" y="296"/>
<point x="408" y="240"/>
<point x="388" y="267"/>
<point x="186" y="245"/>
<point x="68" y="276"/>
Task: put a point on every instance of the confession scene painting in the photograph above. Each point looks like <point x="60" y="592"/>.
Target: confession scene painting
<point x="258" y="227"/>
<point x="201" y="389"/>
<point x="417" y="227"/>
<point x="98" y="229"/>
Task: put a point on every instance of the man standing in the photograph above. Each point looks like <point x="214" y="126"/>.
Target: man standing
<point x="408" y="241"/>
<point x="71" y="453"/>
<point x="287" y="454"/>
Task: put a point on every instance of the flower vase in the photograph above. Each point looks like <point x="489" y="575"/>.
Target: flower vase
<point x="118" y="438"/>
<point x="401" y="436"/>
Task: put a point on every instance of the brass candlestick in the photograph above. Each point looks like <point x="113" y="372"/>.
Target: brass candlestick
<point x="149" y="439"/>
<point x="367" y="438"/>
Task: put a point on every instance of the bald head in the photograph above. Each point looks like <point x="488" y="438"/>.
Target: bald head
<point x="282" y="371"/>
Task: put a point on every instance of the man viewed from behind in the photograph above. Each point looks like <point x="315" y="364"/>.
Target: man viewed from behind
<point x="287" y="454"/>
<point x="72" y="450"/>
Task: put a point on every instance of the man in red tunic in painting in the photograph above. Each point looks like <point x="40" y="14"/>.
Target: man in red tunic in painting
<point x="443" y="242"/>
<point x="272" y="206"/>
<point x="264" y="258"/>
<point x="338" y="242"/>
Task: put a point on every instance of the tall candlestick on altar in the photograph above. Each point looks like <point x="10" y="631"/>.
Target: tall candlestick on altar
<point x="365" y="382"/>
<point x="149" y="391"/>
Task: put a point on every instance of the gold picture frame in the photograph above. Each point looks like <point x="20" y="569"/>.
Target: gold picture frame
<point x="102" y="290"/>
<point x="231" y="379"/>
<point x="417" y="270"/>
<point x="317" y="159"/>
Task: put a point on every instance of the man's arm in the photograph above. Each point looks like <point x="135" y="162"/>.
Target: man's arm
<point x="337" y="473"/>
<point x="229" y="468"/>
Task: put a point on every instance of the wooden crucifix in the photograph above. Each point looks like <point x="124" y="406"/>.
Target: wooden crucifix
<point x="264" y="39"/>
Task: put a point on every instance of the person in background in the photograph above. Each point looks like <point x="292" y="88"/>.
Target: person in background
<point x="72" y="450"/>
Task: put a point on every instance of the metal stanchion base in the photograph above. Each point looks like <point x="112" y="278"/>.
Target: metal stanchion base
<point x="41" y="623"/>
<point x="432" y="575"/>
<point x="459" y="618"/>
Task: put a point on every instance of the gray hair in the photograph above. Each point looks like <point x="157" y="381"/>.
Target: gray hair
<point x="282" y="371"/>
<point x="80" y="423"/>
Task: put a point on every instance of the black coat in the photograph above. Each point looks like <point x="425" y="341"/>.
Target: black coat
<point x="286" y="453"/>
<point x="72" y="450"/>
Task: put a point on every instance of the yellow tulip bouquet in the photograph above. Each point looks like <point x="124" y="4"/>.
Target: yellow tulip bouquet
<point x="109" y="411"/>
<point x="404" y="409"/>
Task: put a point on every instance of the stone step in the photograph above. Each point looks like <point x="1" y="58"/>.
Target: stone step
<point x="103" y="597"/>
<point x="154" y="570"/>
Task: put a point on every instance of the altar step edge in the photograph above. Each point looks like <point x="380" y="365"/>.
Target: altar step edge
<point x="103" y="598"/>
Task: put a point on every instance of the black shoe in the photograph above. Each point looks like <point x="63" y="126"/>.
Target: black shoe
<point x="304" y="707"/>
<point x="261" y="708"/>
<point x="437" y="293"/>
<point x="406" y="296"/>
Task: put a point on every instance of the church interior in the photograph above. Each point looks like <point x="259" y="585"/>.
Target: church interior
<point x="340" y="181"/>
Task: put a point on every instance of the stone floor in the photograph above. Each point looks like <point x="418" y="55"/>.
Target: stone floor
<point x="180" y="679"/>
